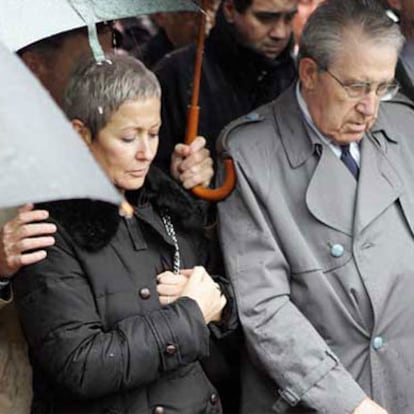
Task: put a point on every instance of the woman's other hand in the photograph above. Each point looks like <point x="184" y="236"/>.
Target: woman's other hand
<point x="207" y="293"/>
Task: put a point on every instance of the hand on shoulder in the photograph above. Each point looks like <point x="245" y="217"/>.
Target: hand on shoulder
<point x="23" y="240"/>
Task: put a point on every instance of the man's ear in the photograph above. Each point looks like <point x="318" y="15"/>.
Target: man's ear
<point x="82" y="130"/>
<point x="308" y="73"/>
<point x="229" y="10"/>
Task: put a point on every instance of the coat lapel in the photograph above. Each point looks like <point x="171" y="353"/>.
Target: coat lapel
<point x="302" y="145"/>
<point x="330" y="206"/>
<point x="379" y="184"/>
<point x="355" y="205"/>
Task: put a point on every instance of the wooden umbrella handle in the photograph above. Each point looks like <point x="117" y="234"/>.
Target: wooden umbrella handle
<point x="193" y="116"/>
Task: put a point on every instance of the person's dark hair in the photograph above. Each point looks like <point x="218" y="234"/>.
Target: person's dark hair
<point x="97" y="90"/>
<point x="242" y="5"/>
<point x="323" y="34"/>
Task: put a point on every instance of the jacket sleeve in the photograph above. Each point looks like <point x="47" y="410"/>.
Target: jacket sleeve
<point x="280" y="339"/>
<point x="69" y="343"/>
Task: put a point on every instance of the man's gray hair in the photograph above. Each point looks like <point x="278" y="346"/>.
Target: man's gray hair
<point x="97" y="90"/>
<point x="323" y="35"/>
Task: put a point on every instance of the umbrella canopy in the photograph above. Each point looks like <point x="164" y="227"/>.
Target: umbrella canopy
<point x="23" y="22"/>
<point x="41" y="157"/>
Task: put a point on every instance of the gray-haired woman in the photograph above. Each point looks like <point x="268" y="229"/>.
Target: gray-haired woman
<point x="116" y="316"/>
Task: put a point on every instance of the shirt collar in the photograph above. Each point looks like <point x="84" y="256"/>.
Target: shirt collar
<point x="354" y="147"/>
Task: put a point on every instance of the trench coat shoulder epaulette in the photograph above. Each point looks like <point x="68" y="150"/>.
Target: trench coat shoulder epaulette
<point x="399" y="104"/>
<point x="402" y="100"/>
<point x="240" y="129"/>
<point x="396" y="117"/>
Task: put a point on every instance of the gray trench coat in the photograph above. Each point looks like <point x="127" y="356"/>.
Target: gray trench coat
<point x="323" y="267"/>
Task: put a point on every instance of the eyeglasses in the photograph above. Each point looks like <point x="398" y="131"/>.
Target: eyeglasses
<point x="385" y="90"/>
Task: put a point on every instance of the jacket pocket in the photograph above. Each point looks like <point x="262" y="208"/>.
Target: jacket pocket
<point x="322" y="250"/>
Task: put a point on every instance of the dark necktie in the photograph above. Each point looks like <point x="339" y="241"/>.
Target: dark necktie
<point x="349" y="161"/>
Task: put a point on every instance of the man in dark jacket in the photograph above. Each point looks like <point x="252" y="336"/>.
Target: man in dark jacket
<point x="247" y="62"/>
<point x="176" y="30"/>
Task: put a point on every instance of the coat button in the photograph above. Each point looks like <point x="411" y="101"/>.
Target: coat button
<point x="145" y="293"/>
<point x="214" y="398"/>
<point x="337" y="250"/>
<point x="377" y="343"/>
<point x="158" y="410"/>
<point x="171" y="349"/>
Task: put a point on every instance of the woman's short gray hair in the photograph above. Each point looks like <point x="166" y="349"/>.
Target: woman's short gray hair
<point x="97" y="90"/>
<point x="323" y="34"/>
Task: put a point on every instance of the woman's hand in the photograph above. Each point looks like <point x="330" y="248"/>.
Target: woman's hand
<point x="170" y="286"/>
<point x="202" y="288"/>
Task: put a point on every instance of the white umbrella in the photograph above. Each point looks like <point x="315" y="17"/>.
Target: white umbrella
<point x="23" y="22"/>
<point x="41" y="157"/>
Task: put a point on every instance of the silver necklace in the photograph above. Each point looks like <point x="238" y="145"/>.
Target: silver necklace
<point x="166" y="219"/>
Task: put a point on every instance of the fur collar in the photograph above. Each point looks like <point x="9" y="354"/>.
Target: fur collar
<point x="92" y="224"/>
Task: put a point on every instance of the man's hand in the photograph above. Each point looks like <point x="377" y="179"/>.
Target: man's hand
<point x="368" y="406"/>
<point x="192" y="164"/>
<point x="24" y="234"/>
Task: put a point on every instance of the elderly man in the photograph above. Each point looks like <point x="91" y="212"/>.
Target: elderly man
<point x="247" y="62"/>
<point x="318" y="234"/>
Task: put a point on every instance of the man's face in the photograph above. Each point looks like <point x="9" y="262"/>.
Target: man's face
<point x="305" y="9"/>
<point x="265" y="26"/>
<point x="335" y="114"/>
<point x="57" y="66"/>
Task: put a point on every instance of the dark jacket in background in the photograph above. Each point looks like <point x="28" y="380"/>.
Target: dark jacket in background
<point x="100" y="342"/>
<point x="234" y="81"/>
<point x="155" y="49"/>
